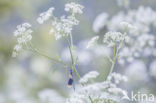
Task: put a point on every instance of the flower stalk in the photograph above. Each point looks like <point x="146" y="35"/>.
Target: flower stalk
<point x="113" y="61"/>
<point x="73" y="62"/>
<point x="46" y="56"/>
<point x="72" y="58"/>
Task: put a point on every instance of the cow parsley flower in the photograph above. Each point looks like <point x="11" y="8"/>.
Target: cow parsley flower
<point x="93" y="41"/>
<point x="100" y="92"/>
<point x="90" y="75"/>
<point x="111" y="38"/>
<point x="143" y="45"/>
<point x="74" y="8"/>
<point x="45" y="16"/>
<point x="48" y="95"/>
<point x="100" y="21"/>
<point x="140" y="41"/>
<point x="117" y="78"/>
<point x="146" y="39"/>
<point x="63" y="27"/>
<point x="127" y="26"/>
<point x="23" y="34"/>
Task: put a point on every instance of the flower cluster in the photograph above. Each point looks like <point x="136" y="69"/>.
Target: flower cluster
<point x="143" y="17"/>
<point x="137" y="71"/>
<point x="106" y="91"/>
<point x="74" y="8"/>
<point x="117" y="78"/>
<point x="139" y="40"/>
<point x="48" y="95"/>
<point x="23" y="34"/>
<point x="93" y="41"/>
<point x="112" y="38"/>
<point x="63" y="26"/>
<point x="127" y="26"/>
<point x="90" y="75"/>
<point x="100" y="21"/>
<point x="45" y="15"/>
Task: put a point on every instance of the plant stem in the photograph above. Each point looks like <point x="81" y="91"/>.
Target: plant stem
<point x="114" y="60"/>
<point x="71" y="39"/>
<point x="50" y="58"/>
<point x="53" y="59"/>
<point x="116" y="50"/>
<point x="73" y="62"/>
<point x="91" y="99"/>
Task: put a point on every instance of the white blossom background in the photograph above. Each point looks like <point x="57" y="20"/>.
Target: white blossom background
<point x="30" y="78"/>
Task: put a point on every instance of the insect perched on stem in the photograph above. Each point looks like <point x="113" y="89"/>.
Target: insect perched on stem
<point x="70" y="81"/>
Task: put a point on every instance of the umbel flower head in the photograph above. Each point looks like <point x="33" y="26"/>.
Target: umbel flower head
<point x="45" y="15"/>
<point x="63" y="26"/>
<point x="90" y="75"/>
<point x="74" y="8"/>
<point x="23" y="34"/>
<point x="112" y="38"/>
<point x="100" y="92"/>
<point x="100" y="22"/>
<point x="93" y="41"/>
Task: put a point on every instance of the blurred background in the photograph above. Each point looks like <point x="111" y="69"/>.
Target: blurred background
<point x="26" y="78"/>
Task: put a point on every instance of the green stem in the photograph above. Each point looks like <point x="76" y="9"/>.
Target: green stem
<point x="116" y="50"/>
<point x="50" y="58"/>
<point x="53" y="59"/>
<point x="73" y="65"/>
<point x="91" y="99"/>
<point x="114" y="60"/>
<point x="73" y="62"/>
<point x="71" y="39"/>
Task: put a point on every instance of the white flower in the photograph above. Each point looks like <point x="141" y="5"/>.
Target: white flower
<point x="21" y="29"/>
<point x="111" y="38"/>
<point x="90" y="75"/>
<point x="125" y="25"/>
<point x="99" y="22"/>
<point x="137" y="72"/>
<point x="93" y="41"/>
<point x="101" y="91"/>
<point x="117" y="78"/>
<point x="74" y="8"/>
<point x="58" y="36"/>
<point x="17" y="47"/>
<point x="140" y="42"/>
<point x="116" y="91"/>
<point x="45" y="15"/>
<point x="63" y="27"/>
<point x="23" y="34"/>
<point x="146" y="39"/>
<point x="145" y="15"/>
<point x="50" y="96"/>
<point x="140" y="46"/>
